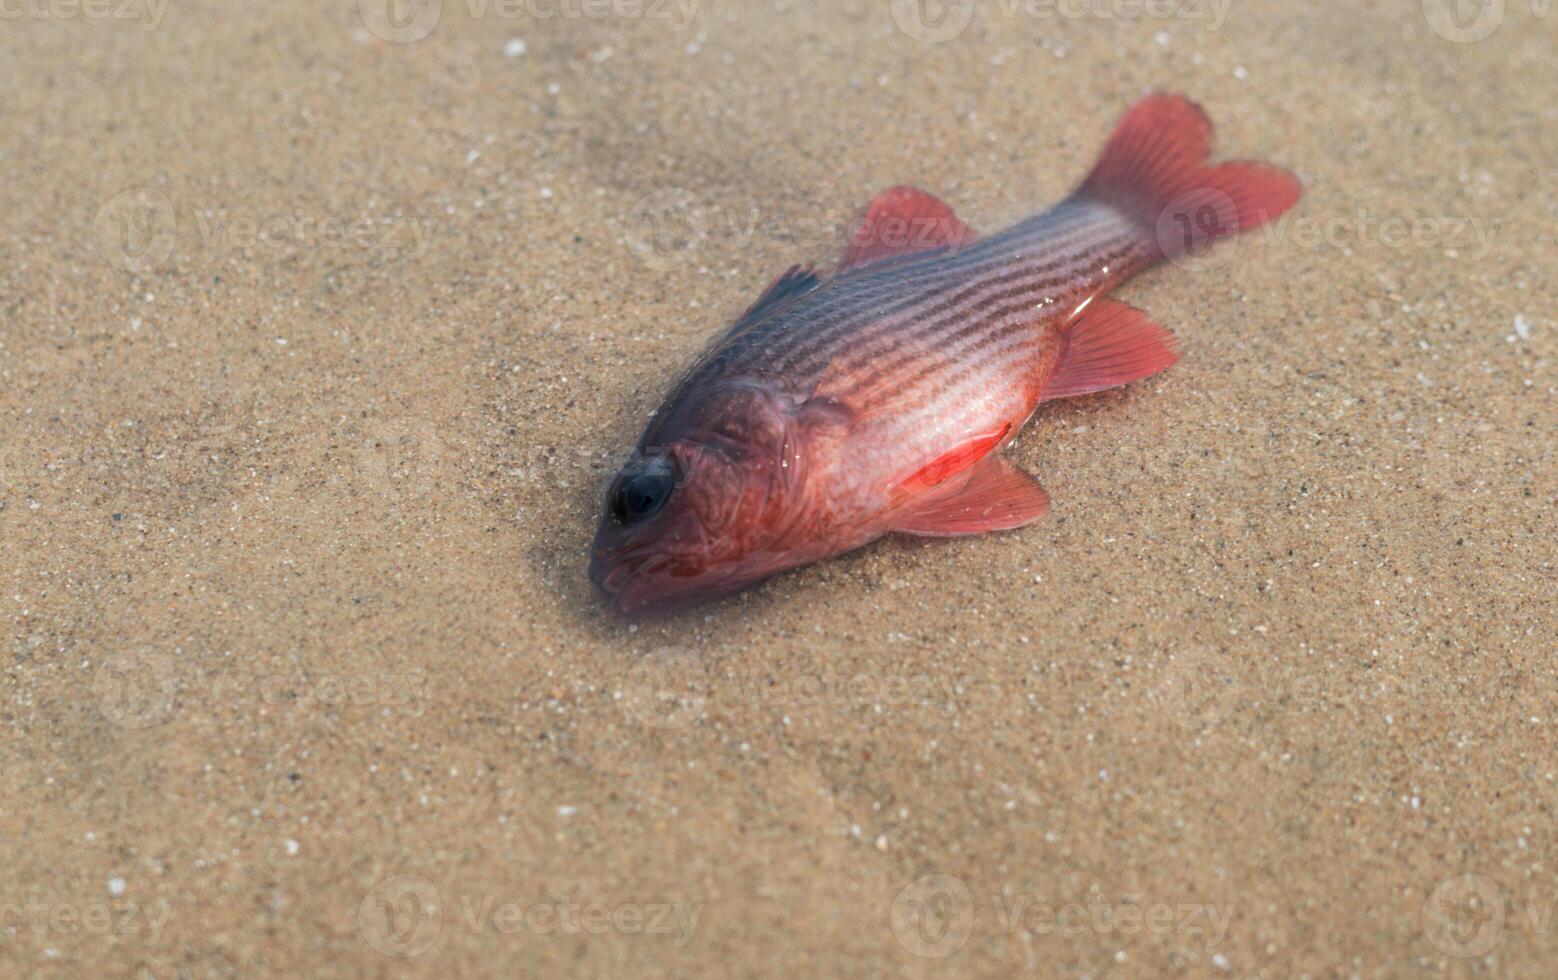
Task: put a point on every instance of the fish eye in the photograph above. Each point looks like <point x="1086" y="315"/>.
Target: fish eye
<point x="641" y="494"/>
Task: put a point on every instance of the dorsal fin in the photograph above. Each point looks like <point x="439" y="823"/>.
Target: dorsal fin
<point x="797" y="281"/>
<point x="903" y="221"/>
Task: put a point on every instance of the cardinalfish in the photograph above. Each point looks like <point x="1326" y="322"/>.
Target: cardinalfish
<point x="876" y="399"/>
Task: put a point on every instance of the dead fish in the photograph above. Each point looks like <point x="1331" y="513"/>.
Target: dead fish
<point x="875" y="400"/>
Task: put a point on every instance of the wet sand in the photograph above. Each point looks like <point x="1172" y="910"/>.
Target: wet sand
<point x="321" y="338"/>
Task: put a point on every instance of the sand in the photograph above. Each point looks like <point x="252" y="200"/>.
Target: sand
<point x="320" y="341"/>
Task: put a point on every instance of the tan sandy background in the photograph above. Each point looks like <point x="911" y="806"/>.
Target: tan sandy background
<point x="319" y="338"/>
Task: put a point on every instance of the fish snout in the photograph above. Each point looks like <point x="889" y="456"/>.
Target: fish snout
<point x="618" y="570"/>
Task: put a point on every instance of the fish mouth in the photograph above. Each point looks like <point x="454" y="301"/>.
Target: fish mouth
<point x="628" y="580"/>
<point x="648" y="584"/>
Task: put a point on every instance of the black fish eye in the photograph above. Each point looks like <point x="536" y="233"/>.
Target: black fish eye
<point x="641" y="494"/>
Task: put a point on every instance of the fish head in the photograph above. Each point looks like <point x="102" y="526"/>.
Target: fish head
<point x="715" y="497"/>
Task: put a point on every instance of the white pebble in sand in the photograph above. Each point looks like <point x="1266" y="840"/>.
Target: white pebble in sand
<point x="515" y="48"/>
<point x="116" y="886"/>
<point x="1522" y="327"/>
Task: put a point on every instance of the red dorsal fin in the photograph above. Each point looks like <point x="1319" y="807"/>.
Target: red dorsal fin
<point x="1109" y="344"/>
<point x="1154" y="169"/>
<point x="903" y="221"/>
<point x="997" y="496"/>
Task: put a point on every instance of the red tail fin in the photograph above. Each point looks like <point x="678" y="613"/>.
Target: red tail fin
<point x="1154" y="169"/>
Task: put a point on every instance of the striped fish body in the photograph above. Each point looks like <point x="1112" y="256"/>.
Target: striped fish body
<point x="941" y="357"/>
<point x="873" y="401"/>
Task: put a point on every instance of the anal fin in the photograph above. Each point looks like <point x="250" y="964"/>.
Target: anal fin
<point x="1107" y="345"/>
<point x="997" y="496"/>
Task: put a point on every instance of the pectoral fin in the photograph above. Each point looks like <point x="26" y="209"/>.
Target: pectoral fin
<point x="997" y="496"/>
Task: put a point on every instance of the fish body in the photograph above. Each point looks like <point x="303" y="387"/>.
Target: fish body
<point x="875" y="400"/>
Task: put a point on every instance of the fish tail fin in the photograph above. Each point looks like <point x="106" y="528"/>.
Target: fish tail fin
<point x="1154" y="170"/>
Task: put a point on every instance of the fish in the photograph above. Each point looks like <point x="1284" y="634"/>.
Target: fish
<point x="875" y="399"/>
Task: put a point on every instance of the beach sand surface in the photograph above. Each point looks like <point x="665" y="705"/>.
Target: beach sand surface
<point x="324" y="327"/>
